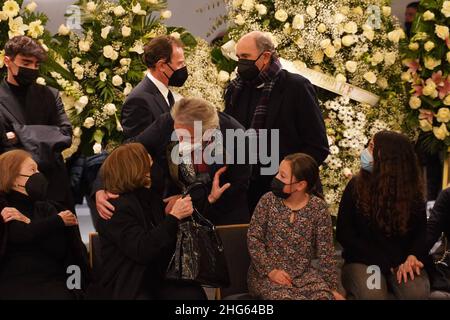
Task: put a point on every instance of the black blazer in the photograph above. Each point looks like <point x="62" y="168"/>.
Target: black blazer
<point x="439" y="220"/>
<point x="294" y="110"/>
<point x="43" y="129"/>
<point x="232" y="207"/>
<point x="137" y="244"/>
<point x="142" y="107"/>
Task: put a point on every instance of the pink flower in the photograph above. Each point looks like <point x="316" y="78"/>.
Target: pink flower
<point x="444" y="88"/>
<point x="413" y="66"/>
<point x="426" y="115"/>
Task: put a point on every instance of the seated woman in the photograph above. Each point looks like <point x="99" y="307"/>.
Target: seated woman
<point x="382" y="223"/>
<point x="289" y="228"/>
<point x="39" y="241"/>
<point x="138" y="241"/>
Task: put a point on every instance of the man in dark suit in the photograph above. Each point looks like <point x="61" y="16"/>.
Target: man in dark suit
<point x="264" y="96"/>
<point x="164" y="58"/>
<point x="33" y="116"/>
<point x="226" y="180"/>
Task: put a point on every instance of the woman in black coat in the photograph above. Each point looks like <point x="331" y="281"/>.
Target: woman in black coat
<point x="138" y="241"/>
<point x="37" y="241"/>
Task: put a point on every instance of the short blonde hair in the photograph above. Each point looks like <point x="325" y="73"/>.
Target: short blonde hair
<point x="10" y="163"/>
<point x="188" y="110"/>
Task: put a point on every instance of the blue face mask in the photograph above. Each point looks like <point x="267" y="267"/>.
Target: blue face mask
<point x="366" y="160"/>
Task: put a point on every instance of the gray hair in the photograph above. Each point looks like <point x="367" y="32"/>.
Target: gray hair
<point x="188" y="110"/>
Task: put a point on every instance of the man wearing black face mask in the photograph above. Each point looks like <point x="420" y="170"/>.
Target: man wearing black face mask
<point x="33" y="116"/>
<point x="264" y="96"/>
<point x="410" y="14"/>
<point x="164" y="58"/>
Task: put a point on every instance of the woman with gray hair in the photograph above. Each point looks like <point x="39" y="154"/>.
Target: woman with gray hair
<point x="172" y="142"/>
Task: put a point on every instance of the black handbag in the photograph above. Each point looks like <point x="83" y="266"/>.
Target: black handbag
<point x="199" y="255"/>
<point x="440" y="273"/>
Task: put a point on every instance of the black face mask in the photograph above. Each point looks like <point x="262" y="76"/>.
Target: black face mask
<point x="277" y="187"/>
<point x="36" y="186"/>
<point x="178" y="77"/>
<point x="247" y="69"/>
<point x="26" y="76"/>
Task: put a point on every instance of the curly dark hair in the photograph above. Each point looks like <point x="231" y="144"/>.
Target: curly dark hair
<point x="26" y="46"/>
<point x="388" y="195"/>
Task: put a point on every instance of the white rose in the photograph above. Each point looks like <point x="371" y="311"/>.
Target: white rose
<point x="382" y="83"/>
<point x="41" y="81"/>
<point x="425" y="125"/>
<point x="341" y="78"/>
<point x="370" y="77"/>
<point x="428" y="15"/>
<point x="117" y="80"/>
<point x="128" y="89"/>
<point x="428" y="46"/>
<point x="351" y="66"/>
<point x="247" y="5"/>
<point x="443" y="115"/>
<point x="110" y="109"/>
<point x="239" y="20"/>
<point x="138" y="47"/>
<point x="325" y="43"/>
<point x="369" y="34"/>
<point x="31" y="6"/>
<point x="166" y="14"/>
<point x="298" y="22"/>
<point x="105" y="31"/>
<point x="396" y="35"/>
<point x="287" y="28"/>
<point x="83" y="101"/>
<point x="3" y="16"/>
<point x="262" y="9"/>
<point x="97" y="148"/>
<point x="91" y="6"/>
<point x="330" y="51"/>
<point x="377" y="58"/>
<point x="137" y="9"/>
<point x="441" y="132"/>
<point x="126" y="31"/>
<point x="447" y="100"/>
<point x="176" y="35"/>
<point x="11" y="8"/>
<point x="413" y="46"/>
<point x="119" y="11"/>
<point x="84" y="45"/>
<point x="89" y="122"/>
<point x="431" y="63"/>
<point x="281" y="15"/>
<point x="2" y="58"/>
<point x="429" y="89"/>
<point x="300" y="42"/>
<point x="311" y="11"/>
<point x="63" y="30"/>
<point x="351" y="27"/>
<point x="347" y="172"/>
<point x="317" y="57"/>
<point x="108" y="52"/>
<point x="386" y="11"/>
<point x="125" y="62"/>
<point x="415" y="102"/>
<point x="442" y="31"/>
<point x="339" y="17"/>
<point x="322" y="28"/>
<point x="389" y="58"/>
<point x="406" y="76"/>
<point x="223" y="76"/>
<point x="446" y="9"/>
<point x="348" y="40"/>
<point x="102" y="76"/>
<point x="337" y="43"/>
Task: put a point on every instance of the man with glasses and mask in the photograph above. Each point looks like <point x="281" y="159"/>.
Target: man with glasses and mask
<point x="32" y="116"/>
<point x="164" y="58"/>
<point x="264" y="96"/>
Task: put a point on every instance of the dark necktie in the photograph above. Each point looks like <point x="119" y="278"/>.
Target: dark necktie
<point x="171" y="99"/>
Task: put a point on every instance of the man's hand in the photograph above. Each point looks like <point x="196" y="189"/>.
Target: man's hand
<point x="104" y="207"/>
<point x="217" y="190"/>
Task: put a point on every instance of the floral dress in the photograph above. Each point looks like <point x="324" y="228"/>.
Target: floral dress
<point x="279" y="238"/>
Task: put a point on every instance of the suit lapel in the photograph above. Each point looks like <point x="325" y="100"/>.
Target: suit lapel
<point x="275" y="100"/>
<point x="10" y="104"/>
<point x="159" y="99"/>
